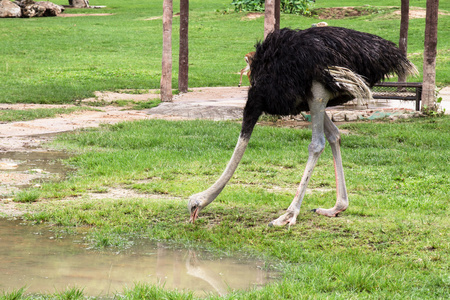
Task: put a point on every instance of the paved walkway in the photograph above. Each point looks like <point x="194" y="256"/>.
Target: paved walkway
<point x="227" y="103"/>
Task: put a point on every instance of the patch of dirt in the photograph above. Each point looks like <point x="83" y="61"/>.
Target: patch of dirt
<point x="419" y="13"/>
<point x="11" y="209"/>
<point x="160" y="17"/>
<point x="123" y="193"/>
<point x="253" y="16"/>
<point x="336" y="13"/>
<point x="82" y="15"/>
<point x="340" y="12"/>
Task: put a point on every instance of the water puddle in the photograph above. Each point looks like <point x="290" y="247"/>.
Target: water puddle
<point x="36" y="257"/>
<point x="22" y="169"/>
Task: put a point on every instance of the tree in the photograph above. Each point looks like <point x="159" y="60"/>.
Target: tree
<point x="429" y="56"/>
<point x="166" y="73"/>
<point x="183" y="65"/>
<point x="403" y="41"/>
<point x="269" y="17"/>
<point x="277" y="14"/>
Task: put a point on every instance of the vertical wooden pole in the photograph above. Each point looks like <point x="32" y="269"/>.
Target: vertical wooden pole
<point x="183" y="65"/>
<point x="277" y="14"/>
<point x="404" y="24"/>
<point x="166" y="73"/>
<point x="429" y="56"/>
<point x="269" y="17"/>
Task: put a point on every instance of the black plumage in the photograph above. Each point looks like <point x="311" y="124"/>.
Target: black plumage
<point x="288" y="61"/>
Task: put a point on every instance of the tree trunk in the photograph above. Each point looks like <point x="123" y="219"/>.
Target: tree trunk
<point x="403" y="42"/>
<point x="277" y="14"/>
<point x="183" y="66"/>
<point x="429" y="56"/>
<point x="166" y="73"/>
<point x="269" y="17"/>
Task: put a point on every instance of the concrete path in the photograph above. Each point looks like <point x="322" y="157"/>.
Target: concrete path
<point x="227" y="103"/>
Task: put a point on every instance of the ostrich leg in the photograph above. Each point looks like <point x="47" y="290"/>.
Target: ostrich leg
<point x="333" y="137"/>
<point x="317" y="108"/>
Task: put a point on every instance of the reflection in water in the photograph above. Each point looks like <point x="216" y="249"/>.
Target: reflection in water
<point x="34" y="257"/>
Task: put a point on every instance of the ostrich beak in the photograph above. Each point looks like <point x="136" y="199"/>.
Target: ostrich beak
<point x="194" y="215"/>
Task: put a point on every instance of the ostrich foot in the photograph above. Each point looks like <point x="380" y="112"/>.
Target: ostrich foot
<point x="289" y="217"/>
<point x="332" y="212"/>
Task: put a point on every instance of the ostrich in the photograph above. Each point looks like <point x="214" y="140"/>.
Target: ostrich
<point x="308" y="70"/>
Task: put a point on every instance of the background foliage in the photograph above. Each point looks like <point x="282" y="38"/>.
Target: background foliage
<point x="302" y="7"/>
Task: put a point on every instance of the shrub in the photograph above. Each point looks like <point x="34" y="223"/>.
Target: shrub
<point x="287" y="6"/>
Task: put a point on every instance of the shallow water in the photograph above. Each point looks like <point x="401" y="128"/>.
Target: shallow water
<point x="38" y="258"/>
<point x="23" y="169"/>
<point x="48" y="161"/>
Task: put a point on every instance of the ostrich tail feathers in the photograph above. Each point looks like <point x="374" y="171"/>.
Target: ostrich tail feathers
<point x="409" y="69"/>
<point x="350" y="82"/>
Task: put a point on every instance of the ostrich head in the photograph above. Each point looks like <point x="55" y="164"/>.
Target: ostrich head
<point x="196" y="203"/>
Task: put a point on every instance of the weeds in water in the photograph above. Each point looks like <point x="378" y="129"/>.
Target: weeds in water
<point x="26" y="196"/>
<point x="106" y="239"/>
<point x="14" y="295"/>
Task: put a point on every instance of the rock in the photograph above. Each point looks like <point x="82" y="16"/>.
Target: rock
<point x="350" y="117"/>
<point x="30" y="8"/>
<point x="9" y="9"/>
<point x="51" y="9"/>
<point x="79" y="3"/>
<point x="38" y="9"/>
<point x="33" y="10"/>
<point x="339" y="117"/>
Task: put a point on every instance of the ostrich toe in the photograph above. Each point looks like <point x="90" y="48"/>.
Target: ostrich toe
<point x="289" y="217"/>
<point x="332" y="212"/>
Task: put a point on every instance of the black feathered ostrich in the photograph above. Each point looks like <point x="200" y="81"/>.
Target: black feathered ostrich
<point x="308" y="70"/>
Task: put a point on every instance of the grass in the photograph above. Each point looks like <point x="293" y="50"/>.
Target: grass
<point x="391" y="243"/>
<point x="61" y="60"/>
<point x="27" y="195"/>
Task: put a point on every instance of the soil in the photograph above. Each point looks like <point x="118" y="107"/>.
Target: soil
<point x="346" y="12"/>
<point x="339" y="12"/>
<point x="82" y="15"/>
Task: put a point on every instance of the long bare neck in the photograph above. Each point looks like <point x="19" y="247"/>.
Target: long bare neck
<point x="212" y="192"/>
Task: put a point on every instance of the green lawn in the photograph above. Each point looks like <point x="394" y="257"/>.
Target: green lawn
<point x="59" y="60"/>
<point x="391" y="243"/>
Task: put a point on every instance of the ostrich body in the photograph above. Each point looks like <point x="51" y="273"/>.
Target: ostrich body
<point x="308" y="70"/>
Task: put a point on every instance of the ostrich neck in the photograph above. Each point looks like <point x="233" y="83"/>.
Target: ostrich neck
<point x="217" y="187"/>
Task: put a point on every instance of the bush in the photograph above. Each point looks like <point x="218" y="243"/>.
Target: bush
<point x="287" y="6"/>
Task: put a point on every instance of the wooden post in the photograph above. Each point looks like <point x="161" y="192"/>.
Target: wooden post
<point x="269" y="17"/>
<point x="166" y="73"/>
<point x="183" y="65"/>
<point x="404" y="24"/>
<point x="277" y="14"/>
<point x="429" y="56"/>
